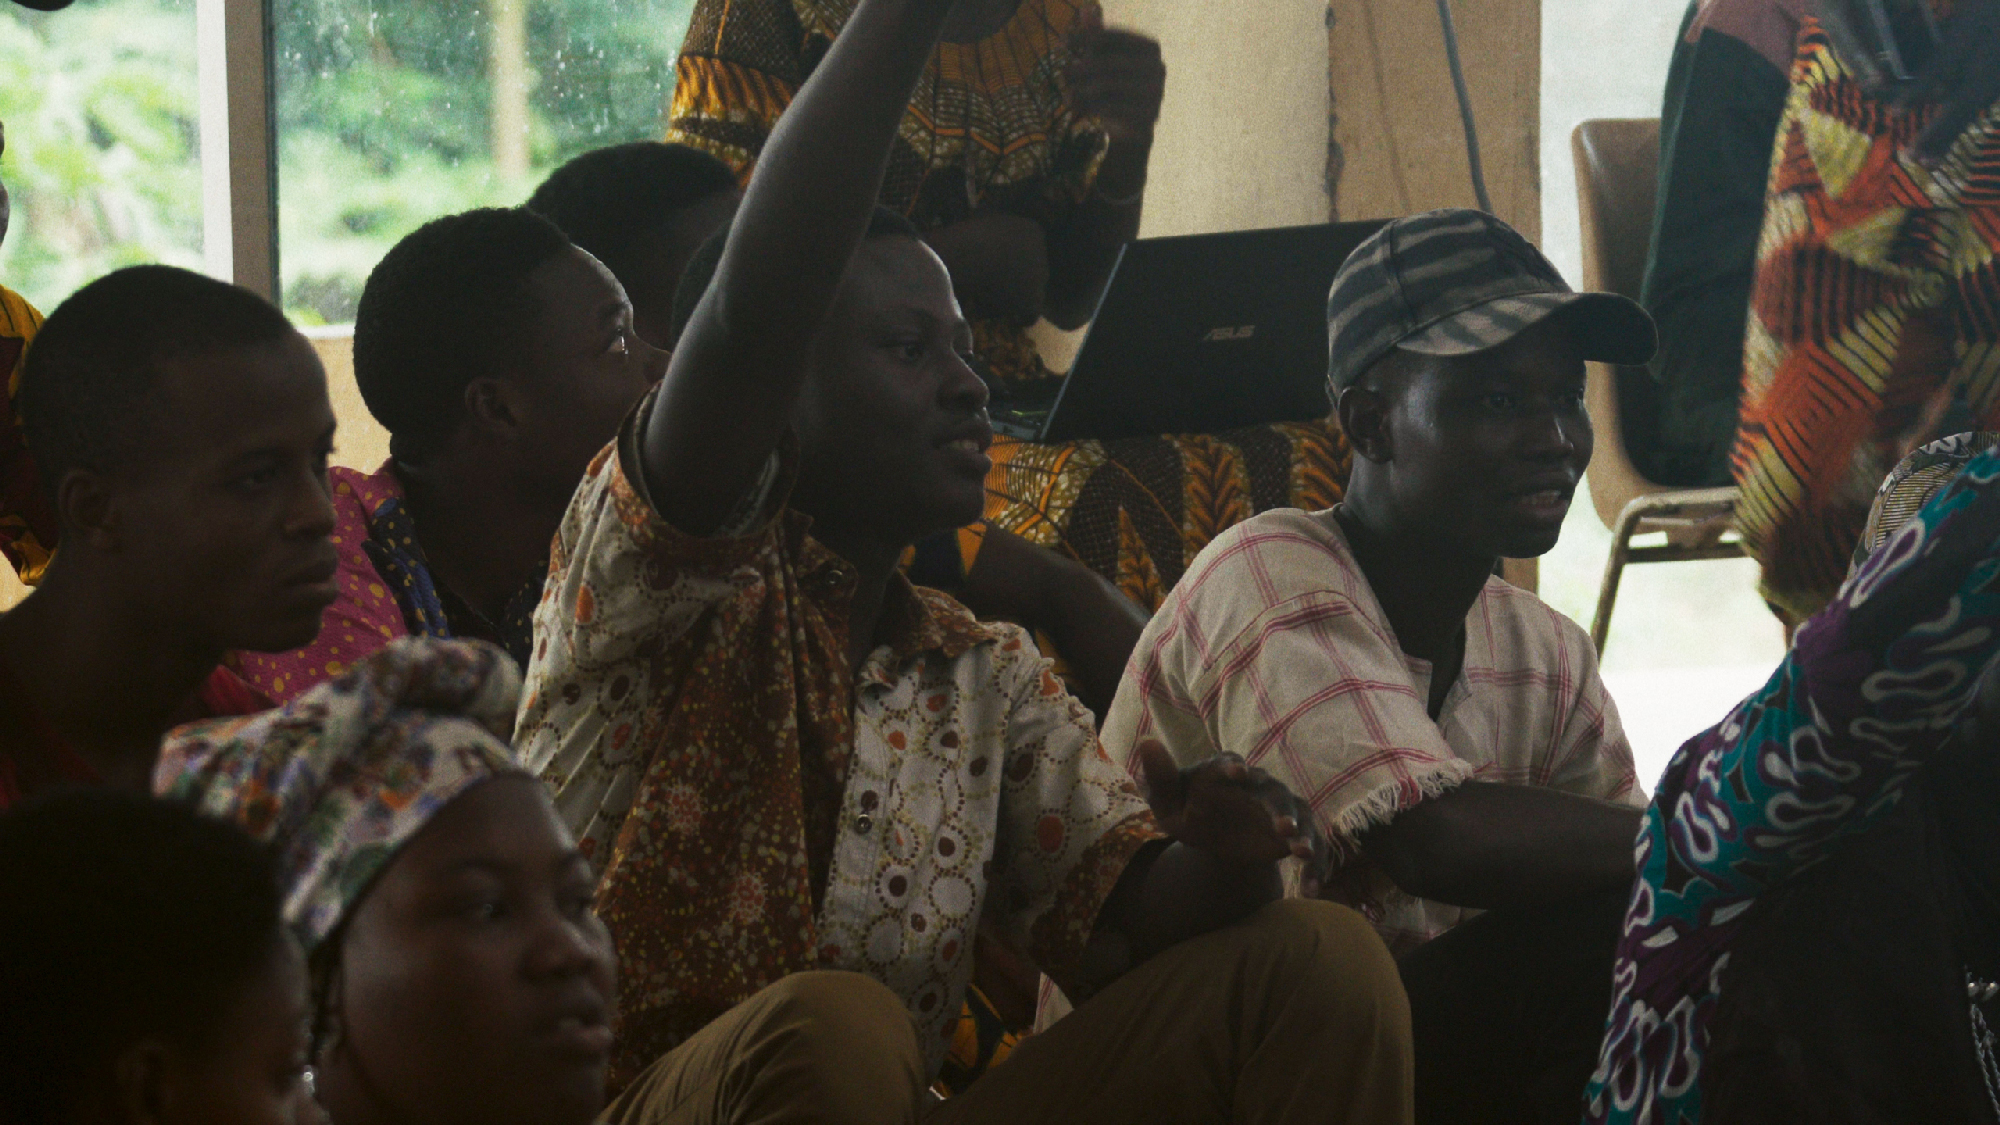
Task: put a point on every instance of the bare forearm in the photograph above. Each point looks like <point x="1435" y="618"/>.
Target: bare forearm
<point x="742" y="361"/>
<point x="1486" y="845"/>
<point x="1083" y="254"/>
<point x="1094" y="625"/>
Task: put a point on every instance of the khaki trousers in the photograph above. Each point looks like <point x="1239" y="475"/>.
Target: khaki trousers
<point x="1294" y="1015"/>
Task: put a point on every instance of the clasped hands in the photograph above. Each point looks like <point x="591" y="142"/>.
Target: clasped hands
<point x="1237" y="813"/>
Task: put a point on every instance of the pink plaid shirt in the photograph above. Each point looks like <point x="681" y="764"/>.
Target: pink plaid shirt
<point x="1273" y="646"/>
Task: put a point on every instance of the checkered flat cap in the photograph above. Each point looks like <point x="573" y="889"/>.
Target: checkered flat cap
<point x="1455" y="282"/>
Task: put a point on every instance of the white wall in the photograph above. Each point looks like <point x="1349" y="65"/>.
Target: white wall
<point x="1600" y="58"/>
<point x="1242" y="136"/>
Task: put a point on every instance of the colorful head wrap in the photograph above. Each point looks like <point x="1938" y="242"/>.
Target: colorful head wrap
<point x="1912" y="483"/>
<point x="344" y="775"/>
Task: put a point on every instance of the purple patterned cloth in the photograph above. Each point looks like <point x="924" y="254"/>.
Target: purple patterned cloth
<point x="1874" y="684"/>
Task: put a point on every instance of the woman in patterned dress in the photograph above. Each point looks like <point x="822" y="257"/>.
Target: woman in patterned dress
<point x="1023" y="159"/>
<point x="1875" y="313"/>
<point x="1815" y="935"/>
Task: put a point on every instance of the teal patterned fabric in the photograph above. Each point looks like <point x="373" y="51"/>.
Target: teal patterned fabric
<point x="1874" y="684"/>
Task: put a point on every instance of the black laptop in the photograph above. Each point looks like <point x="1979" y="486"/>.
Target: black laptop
<point x="1197" y="334"/>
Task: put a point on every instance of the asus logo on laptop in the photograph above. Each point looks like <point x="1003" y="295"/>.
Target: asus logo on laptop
<point x="1240" y="332"/>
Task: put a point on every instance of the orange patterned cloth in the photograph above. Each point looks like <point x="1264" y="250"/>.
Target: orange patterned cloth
<point x="758" y="808"/>
<point x="27" y="524"/>
<point x="1875" y="318"/>
<point x="990" y="127"/>
<point x="1138" y="510"/>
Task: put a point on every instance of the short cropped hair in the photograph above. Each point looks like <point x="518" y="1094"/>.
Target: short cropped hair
<point x="883" y="223"/>
<point x="90" y="382"/>
<point x="613" y="201"/>
<point x="447" y="305"/>
<point x="124" y="917"/>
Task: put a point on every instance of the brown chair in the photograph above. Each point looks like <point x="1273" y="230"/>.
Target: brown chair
<point x="1617" y="166"/>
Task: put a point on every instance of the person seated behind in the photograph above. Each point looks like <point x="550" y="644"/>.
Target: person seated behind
<point x="458" y="974"/>
<point x="642" y="209"/>
<point x="785" y="758"/>
<point x="500" y="358"/>
<point x="645" y="209"/>
<point x="182" y="429"/>
<point x="1718" y="121"/>
<point x="144" y="975"/>
<point x="27" y="526"/>
<point x="1818" y="937"/>
<point x="1028" y="177"/>
<point x="1449" y="730"/>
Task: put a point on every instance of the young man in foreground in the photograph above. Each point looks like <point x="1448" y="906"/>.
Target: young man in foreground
<point x="787" y="759"/>
<point x="182" y="428"/>
<point x="1449" y="731"/>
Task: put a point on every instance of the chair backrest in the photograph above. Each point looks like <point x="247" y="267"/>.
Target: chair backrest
<point x="1617" y="180"/>
<point x="1617" y="169"/>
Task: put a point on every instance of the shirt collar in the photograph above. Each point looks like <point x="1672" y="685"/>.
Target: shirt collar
<point x="915" y="620"/>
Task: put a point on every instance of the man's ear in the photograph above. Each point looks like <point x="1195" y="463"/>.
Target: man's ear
<point x="87" y="510"/>
<point x="142" y="1080"/>
<point x="1364" y="415"/>
<point x="492" y="405"/>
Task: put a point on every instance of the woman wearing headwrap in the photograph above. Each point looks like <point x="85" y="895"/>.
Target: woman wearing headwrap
<point x="458" y="972"/>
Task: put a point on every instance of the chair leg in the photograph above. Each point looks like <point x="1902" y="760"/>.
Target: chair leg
<point x="1614" y="569"/>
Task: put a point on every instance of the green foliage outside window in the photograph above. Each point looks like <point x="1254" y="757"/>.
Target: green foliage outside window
<point x="386" y="117"/>
<point x="102" y="136"/>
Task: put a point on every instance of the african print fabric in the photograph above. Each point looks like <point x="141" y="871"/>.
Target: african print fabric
<point x="1138" y="510"/>
<point x="27" y="525"/>
<point x="989" y="127"/>
<point x="759" y="808"/>
<point x="1875" y="319"/>
<point x="386" y="592"/>
<point x="1874" y="685"/>
<point x="343" y="776"/>
<point x="1912" y="483"/>
<point x="1274" y="647"/>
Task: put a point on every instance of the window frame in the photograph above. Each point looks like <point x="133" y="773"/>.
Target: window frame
<point x="239" y="168"/>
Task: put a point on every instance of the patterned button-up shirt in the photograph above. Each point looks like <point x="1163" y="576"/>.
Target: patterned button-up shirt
<point x="1274" y="647"/>
<point x="759" y="809"/>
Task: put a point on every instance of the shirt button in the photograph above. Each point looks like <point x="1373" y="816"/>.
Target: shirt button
<point x="864" y="823"/>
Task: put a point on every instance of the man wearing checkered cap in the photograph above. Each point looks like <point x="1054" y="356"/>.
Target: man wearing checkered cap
<point x="1450" y="731"/>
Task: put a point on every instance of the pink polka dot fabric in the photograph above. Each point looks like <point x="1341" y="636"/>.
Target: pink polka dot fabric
<point x="363" y="620"/>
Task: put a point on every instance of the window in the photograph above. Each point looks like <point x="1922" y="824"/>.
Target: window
<point x="389" y="114"/>
<point x="103" y="151"/>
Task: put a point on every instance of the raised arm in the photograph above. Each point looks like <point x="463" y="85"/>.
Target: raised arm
<point x="1118" y="78"/>
<point x="743" y="359"/>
